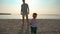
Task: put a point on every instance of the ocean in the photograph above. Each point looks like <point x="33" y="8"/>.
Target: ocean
<point x="41" y="16"/>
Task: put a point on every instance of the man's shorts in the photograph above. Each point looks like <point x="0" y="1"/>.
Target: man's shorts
<point x="33" y="29"/>
<point x="24" y="14"/>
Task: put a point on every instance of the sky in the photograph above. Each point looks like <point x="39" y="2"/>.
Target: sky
<point x="38" y="6"/>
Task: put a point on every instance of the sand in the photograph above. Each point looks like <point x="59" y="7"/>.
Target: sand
<point x="13" y="26"/>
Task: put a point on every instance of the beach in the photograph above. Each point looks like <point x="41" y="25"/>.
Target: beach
<point x="45" y="26"/>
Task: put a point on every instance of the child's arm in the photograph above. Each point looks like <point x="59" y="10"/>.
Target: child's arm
<point x="30" y="23"/>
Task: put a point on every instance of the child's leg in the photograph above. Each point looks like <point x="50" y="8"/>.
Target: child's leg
<point x="35" y="30"/>
<point x="35" y="33"/>
<point x="31" y="33"/>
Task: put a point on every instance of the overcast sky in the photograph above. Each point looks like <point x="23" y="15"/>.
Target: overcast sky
<point x="38" y="6"/>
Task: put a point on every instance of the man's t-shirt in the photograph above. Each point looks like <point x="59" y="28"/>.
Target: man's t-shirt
<point x="24" y="8"/>
<point x="33" y="23"/>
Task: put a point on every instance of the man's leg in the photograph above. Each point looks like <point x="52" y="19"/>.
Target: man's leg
<point x="27" y="24"/>
<point x="22" y="24"/>
<point x="23" y="18"/>
<point x="27" y="17"/>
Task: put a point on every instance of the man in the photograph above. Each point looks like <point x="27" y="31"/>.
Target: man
<point x="24" y="10"/>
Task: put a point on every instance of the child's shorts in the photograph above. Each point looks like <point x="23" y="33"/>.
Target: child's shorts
<point x="33" y="29"/>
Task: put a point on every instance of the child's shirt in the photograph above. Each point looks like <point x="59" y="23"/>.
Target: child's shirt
<point x="33" y="23"/>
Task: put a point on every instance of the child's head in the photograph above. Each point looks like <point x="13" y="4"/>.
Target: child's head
<point x="34" y="15"/>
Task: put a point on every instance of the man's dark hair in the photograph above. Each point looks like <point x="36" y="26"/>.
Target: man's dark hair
<point x="23" y="0"/>
<point x="34" y="13"/>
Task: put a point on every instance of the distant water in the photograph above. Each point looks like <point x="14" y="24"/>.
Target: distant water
<point x="42" y="16"/>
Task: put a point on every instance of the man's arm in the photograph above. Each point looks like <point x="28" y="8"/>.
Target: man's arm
<point x="28" y="9"/>
<point x="21" y="9"/>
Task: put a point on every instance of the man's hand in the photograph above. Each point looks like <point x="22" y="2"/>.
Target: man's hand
<point x="21" y="13"/>
<point x="28" y="12"/>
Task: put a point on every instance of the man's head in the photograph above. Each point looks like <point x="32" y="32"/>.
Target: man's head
<point x="34" y="15"/>
<point x="23" y="1"/>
